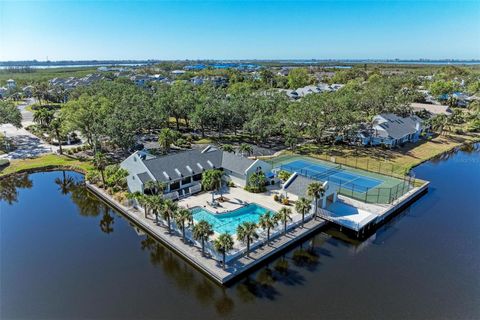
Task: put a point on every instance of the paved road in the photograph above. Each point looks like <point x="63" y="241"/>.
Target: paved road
<point x="28" y="145"/>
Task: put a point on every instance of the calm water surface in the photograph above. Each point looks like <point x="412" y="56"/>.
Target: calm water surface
<point x="64" y="254"/>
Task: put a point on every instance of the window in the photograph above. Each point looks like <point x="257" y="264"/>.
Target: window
<point x="197" y="177"/>
<point x="175" y="185"/>
<point x="186" y="180"/>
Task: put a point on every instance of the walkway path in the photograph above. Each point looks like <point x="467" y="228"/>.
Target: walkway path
<point x="27" y="144"/>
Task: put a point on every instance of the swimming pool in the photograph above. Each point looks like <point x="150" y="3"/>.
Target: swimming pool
<point x="333" y="173"/>
<point x="228" y="222"/>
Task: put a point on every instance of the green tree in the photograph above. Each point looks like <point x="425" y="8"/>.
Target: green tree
<point x="154" y="186"/>
<point x="284" y="175"/>
<point x="168" y="210"/>
<point x="228" y="148"/>
<point x="298" y="77"/>
<point x="100" y="162"/>
<point x="267" y="221"/>
<point x="202" y="231"/>
<point x="246" y="232"/>
<point x="142" y="200"/>
<point x="57" y="126"/>
<point x="303" y="206"/>
<point x="182" y="217"/>
<point x="245" y="149"/>
<point x="316" y="191"/>
<point x="223" y="244"/>
<point x="284" y="215"/>
<point x="212" y="180"/>
<point x="165" y="139"/>
<point x="9" y="113"/>
<point x="43" y="117"/>
<point x="157" y="204"/>
<point x="256" y="182"/>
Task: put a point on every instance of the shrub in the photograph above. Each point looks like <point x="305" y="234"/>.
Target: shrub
<point x="4" y="163"/>
<point x="285" y="201"/>
<point x="93" y="177"/>
<point x="276" y="198"/>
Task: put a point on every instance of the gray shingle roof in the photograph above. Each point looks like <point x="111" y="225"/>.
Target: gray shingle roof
<point x="236" y="163"/>
<point x="144" y="177"/>
<point x="397" y="127"/>
<point x="299" y="185"/>
<point x="167" y="168"/>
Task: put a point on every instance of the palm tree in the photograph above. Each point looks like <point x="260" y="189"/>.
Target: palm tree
<point x="43" y="117"/>
<point x="303" y="206"/>
<point x="223" y="244"/>
<point x="65" y="184"/>
<point x="212" y="180"/>
<point x="283" y="215"/>
<point x="246" y="232"/>
<point x="245" y="148"/>
<point x="106" y="222"/>
<point x="56" y="126"/>
<point x="202" y="231"/>
<point x="141" y="199"/>
<point x="168" y="211"/>
<point x="156" y="203"/>
<point x="284" y="175"/>
<point x="165" y="139"/>
<point x="182" y="216"/>
<point x="257" y="181"/>
<point x="100" y="163"/>
<point x="154" y="186"/>
<point x="316" y="191"/>
<point x="267" y="221"/>
<point x="228" y="148"/>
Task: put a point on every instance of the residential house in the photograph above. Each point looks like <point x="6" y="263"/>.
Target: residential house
<point x="182" y="172"/>
<point x="390" y="130"/>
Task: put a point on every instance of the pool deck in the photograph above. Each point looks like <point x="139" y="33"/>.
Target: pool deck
<point x="234" y="201"/>
<point x="192" y="254"/>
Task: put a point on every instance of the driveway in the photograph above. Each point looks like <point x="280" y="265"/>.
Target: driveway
<point x="27" y="144"/>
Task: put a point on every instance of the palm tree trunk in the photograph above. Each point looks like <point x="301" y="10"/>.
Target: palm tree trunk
<point x="268" y="236"/>
<point x="103" y="178"/>
<point x="285" y="227"/>
<point x="248" y="247"/>
<point x="223" y="260"/>
<point x="59" y="142"/>
<point x="203" y="246"/>
<point x="303" y="218"/>
<point x="168" y="222"/>
<point x="183" y="233"/>
<point x="316" y="208"/>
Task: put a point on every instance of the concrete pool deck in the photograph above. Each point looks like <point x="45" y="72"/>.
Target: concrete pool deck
<point x="208" y="265"/>
<point x="235" y="196"/>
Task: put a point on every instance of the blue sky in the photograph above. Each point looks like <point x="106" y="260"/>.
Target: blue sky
<point x="63" y="30"/>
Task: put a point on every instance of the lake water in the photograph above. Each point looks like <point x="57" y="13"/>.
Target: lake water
<point x="64" y="254"/>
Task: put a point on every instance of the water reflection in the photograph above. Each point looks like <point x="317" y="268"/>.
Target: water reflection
<point x="9" y="187"/>
<point x="316" y="267"/>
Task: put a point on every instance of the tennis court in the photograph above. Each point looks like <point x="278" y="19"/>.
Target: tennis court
<point x="332" y="173"/>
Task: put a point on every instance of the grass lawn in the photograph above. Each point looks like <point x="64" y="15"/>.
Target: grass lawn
<point x="396" y="161"/>
<point x="46" y="161"/>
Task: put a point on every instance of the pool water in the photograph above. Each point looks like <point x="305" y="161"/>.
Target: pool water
<point x="228" y="222"/>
